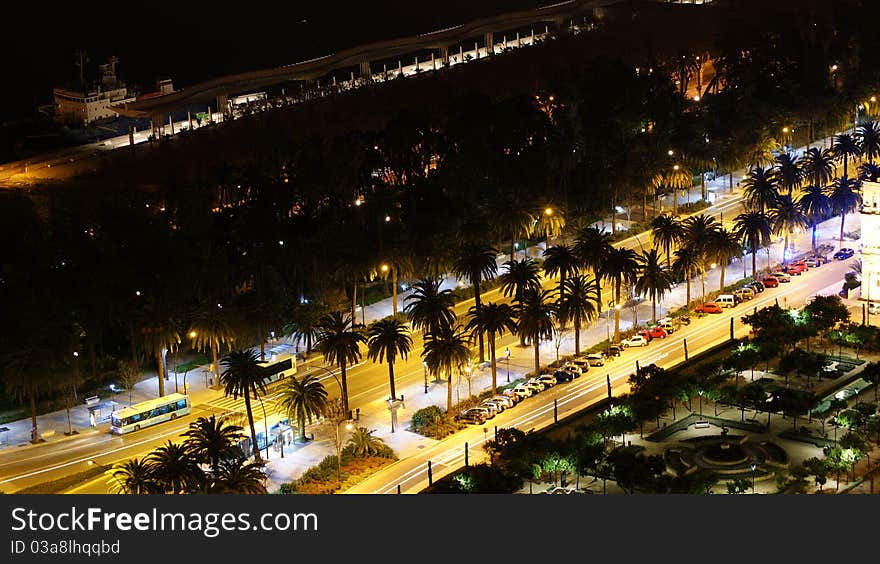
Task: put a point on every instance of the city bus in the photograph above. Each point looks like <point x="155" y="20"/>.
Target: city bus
<point x="149" y="413"/>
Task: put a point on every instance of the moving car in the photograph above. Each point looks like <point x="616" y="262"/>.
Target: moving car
<point x="596" y="359"/>
<point x="635" y="341"/>
<point x="781" y="276"/>
<point x="708" y="307"/>
<point x="770" y="281"/>
<point x="843" y="253"/>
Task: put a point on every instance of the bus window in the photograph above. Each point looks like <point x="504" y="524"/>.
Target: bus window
<point x="181" y="404"/>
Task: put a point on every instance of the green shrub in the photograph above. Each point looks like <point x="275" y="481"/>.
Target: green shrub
<point x="426" y="416"/>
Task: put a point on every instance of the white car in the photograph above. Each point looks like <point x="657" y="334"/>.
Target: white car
<point x="523" y="391"/>
<point x="873" y="307"/>
<point x="635" y="341"/>
<point x="578" y="365"/>
<point x="506" y="401"/>
<point x="548" y="380"/>
<point x="596" y="359"/>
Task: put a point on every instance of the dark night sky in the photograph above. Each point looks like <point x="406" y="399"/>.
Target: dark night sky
<point x="189" y="42"/>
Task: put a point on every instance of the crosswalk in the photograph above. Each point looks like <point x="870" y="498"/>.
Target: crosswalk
<point x="228" y="404"/>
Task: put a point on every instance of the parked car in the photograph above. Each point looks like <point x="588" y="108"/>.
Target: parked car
<point x="873" y="307"/>
<point x="815" y="261"/>
<point x="506" y="401"/>
<point x="522" y="391"/>
<point x="596" y="359"/>
<point x="794" y="269"/>
<point x="653" y="332"/>
<point x="614" y="350"/>
<point x="488" y="413"/>
<point x="727" y="300"/>
<point x="497" y="405"/>
<point x="843" y="253"/>
<point x="667" y="325"/>
<point x="770" y="281"/>
<point x="582" y="365"/>
<point x="708" y="307"/>
<point x="782" y="277"/>
<point x="547" y="379"/>
<point x="756" y="286"/>
<point x="471" y="416"/>
<point x="745" y="293"/>
<point x="635" y="341"/>
<point x="563" y="376"/>
<point x="537" y="384"/>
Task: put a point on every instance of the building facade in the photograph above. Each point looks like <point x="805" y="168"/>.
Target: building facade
<point x="870" y="220"/>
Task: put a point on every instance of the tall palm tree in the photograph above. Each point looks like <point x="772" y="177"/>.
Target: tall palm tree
<point x="869" y="171"/>
<point x="239" y="476"/>
<point x="868" y="136"/>
<point x="578" y="304"/>
<point x="653" y="280"/>
<point x="211" y="329"/>
<point x="722" y="246"/>
<point x="847" y="147"/>
<point x="475" y="262"/>
<point x="550" y="223"/>
<point x="759" y="189"/>
<point x="428" y="308"/>
<point x="520" y="276"/>
<point x="754" y="230"/>
<point x="688" y="263"/>
<point x="213" y="440"/>
<point x="302" y="399"/>
<point x="389" y="339"/>
<point x="242" y="376"/>
<point x="303" y="325"/>
<point x="591" y="247"/>
<point x="844" y="198"/>
<point x="174" y="469"/>
<point x="621" y="267"/>
<point x="492" y="319"/>
<point x="785" y="218"/>
<point x="787" y="171"/>
<point x="135" y="476"/>
<point x="339" y="342"/>
<point x="666" y="232"/>
<point x="818" y="166"/>
<point x="445" y="350"/>
<point x="534" y="312"/>
<point x="816" y="207"/>
<point x="157" y="333"/>
<point x="560" y="260"/>
<point x="27" y="370"/>
<point x="512" y="214"/>
<point x="697" y="230"/>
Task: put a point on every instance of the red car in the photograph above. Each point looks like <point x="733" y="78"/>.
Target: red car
<point x="794" y="269"/>
<point x="653" y="333"/>
<point x="770" y="281"/>
<point x="708" y="307"/>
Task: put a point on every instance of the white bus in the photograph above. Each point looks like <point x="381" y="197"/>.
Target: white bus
<point x="149" y="413"/>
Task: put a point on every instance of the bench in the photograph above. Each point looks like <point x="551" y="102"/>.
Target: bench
<point x="93" y="400"/>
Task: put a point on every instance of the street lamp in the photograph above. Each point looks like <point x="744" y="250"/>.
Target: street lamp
<point x="425" y="372"/>
<point x="700" y="393"/>
<point x="754" y="466"/>
<point x="507" y="357"/>
<point x="339" y="448"/>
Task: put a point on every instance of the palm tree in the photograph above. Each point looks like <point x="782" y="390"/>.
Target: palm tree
<point x="302" y="399"/>
<point x="158" y="333"/>
<point x="512" y="214"/>
<point x="846" y="146"/>
<point x="560" y="260"/>
<point x="429" y="309"/>
<point x="869" y="171"/>
<point x="211" y="329"/>
<point x="213" y="440"/>
<point x="653" y="280"/>
<point x="492" y="319"/>
<point x="521" y="275"/>
<point x="339" y="342"/>
<point x="26" y="370"/>
<point x="844" y="198"/>
<point x="868" y="135"/>
<point x="550" y="223"/>
<point x="474" y="262"/>
<point x="688" y="263"/>
<point x="239" y="476"/>
<point x="389" y="339"/>
<point x="721" y="247"/>
<point x="445" y="350"/>
<point x="363" y="443"/>
<point x="242" y="376"/>
<point x="134" y="476"/>
<point x="174" y="469"/>
<point x="754" y="229"/>
<point x="303" y="326"/>
<point x="759" y="189"/>
<point x="785" y="218"/>
<point x="578" y="304"/>
<point x="621" y="267"/>
<point x="816" y="206"/>
<point x="697" y="230"/>
<point x="787" y="171"/>
<point x="666" y="231"/>
<point x="535" y="319"/>
<point x="818" y="166"/>
<point x="591" y="247"/>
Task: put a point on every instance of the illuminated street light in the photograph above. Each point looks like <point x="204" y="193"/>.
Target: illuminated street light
<point x="697" y="98"/>
<point x="785" y="129"/>
<point x="670" y="152"/>
<point x="384" y="267"/>
<point x="387" y="218"/>
<point x="548" y="211"/>
<point x="192" y="334"/>
<point x="676" y="167"/>
<point x="753" y="467"/>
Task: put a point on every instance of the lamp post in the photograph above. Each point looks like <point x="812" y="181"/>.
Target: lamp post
<point x="339" y="448"/>
<point x="265" y="426"/>
<point x="754" y="466"/>
<point x="700" y="393"/>
<point x="507" y="358"/>
<point x="425" y="373"/>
